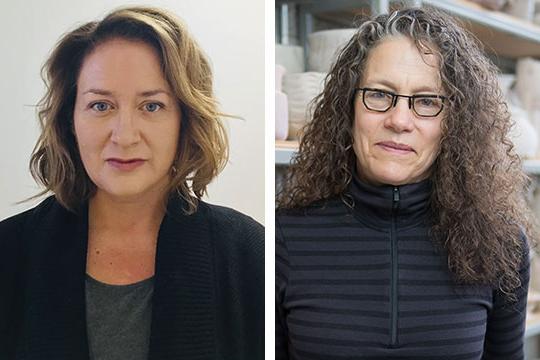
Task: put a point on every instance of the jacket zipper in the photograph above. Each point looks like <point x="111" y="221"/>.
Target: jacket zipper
<point x="394" y="276"/>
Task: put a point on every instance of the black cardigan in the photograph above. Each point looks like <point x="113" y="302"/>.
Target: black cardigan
<point x="208" y="300"/>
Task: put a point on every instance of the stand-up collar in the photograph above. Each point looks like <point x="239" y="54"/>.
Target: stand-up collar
<point x="379" y="205"/>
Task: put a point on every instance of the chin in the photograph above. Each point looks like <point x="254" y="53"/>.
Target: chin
<point x="131" y="187"/>
<point x="124" y="190"/>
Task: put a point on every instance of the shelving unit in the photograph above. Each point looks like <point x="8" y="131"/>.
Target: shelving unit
<point x="532" y="327"/>
<point x="285" y="151"/>
<point x="502" y="34"/>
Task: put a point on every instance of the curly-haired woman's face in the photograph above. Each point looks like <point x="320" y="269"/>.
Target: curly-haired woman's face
<point x="127" y="121"/>
<point x="397" y="147"/>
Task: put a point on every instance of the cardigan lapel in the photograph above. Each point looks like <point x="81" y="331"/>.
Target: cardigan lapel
<point x="54" y="322"/>
<point x="183" y="305"/>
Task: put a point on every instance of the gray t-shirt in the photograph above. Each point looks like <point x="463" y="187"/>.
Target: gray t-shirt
<point x="118" y="319"/>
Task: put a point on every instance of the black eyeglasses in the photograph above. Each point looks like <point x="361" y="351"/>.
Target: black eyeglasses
<point x="381" y="101"/>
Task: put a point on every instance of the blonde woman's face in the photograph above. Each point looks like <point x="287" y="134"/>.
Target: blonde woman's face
<point x="397" y="147"/>
<point x="127" y="121"/>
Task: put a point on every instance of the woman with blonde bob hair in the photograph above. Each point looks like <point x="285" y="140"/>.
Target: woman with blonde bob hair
<point x="124" y="260"/>
<point x="402" y="230"/>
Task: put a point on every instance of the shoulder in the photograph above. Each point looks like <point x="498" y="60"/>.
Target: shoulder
<point x="331" y="206"/>
<point x="322" y="211"/>
<point x="14" y="240"/>
<point x="13" y="227"/>
<point x="238" y="243"/>
<point x="227" y="219"/>
<point x="22" y="231"/>
<point x="233" y="231"/>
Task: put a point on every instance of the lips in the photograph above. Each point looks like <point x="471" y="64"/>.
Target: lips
<point x="125" y="164"/>
<point x="395" y="147"/>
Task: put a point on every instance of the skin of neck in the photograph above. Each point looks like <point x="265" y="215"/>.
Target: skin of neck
<point x="126" y="218"/>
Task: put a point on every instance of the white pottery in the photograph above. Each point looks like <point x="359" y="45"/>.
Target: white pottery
<point x="528" y="82"/>
<point x="492" y="4"/>
<point x="523" y="9"/>
<point x="528" y="89"/>
<point x="282" y="111"/>
<point x="282" y="116"/>
<point x="523" y="134"/>
<point x="505" y="83"/>
<point x="280" y="71"/>
<point x="301" y="89"/>
<point x="324" y="47"/>
<point x="291" y="57"/>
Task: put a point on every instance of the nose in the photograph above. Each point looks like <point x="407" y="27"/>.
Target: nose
<point x="400" y="118"/>
<point x="125" y="131"/>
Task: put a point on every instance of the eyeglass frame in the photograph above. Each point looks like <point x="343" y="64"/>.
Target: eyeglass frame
<point x="395" y="98"/>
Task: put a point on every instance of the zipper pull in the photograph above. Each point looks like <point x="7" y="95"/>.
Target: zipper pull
<point x="396" y="198"/>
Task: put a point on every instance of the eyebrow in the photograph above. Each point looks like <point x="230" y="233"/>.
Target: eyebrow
<point x="421" y="89"/>
<point x="142" y="94"/>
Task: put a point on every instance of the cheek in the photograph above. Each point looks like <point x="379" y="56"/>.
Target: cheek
<point x="166" y="143"/>
<point x="90" y="140"/>
<point x="432" y="141"/>
<point x="364" y="129"/>
<point x="82" y="136"/>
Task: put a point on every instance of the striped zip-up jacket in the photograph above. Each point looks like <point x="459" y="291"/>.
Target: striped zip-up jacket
<point x="368" y="282"/>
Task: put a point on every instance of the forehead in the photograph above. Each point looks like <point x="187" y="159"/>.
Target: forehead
<point x="398" y="61"/>
<point x="120" y="64"/>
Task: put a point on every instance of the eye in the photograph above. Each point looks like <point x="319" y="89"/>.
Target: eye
<point x="152" y="107"/>
<point x="100" y="106"/>
<point x="428" y="102"/>
<point x="377" y="94"/>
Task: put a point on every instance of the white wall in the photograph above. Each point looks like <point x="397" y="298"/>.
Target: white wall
<point x="231" y="33"/>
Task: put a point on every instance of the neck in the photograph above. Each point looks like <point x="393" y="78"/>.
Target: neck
<point x="126" y="217"/>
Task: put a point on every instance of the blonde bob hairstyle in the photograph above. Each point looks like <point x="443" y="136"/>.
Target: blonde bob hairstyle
<point x="202" y="150"/>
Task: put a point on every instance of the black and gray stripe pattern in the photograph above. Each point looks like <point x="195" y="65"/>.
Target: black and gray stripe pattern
<point x="368" y="283"/>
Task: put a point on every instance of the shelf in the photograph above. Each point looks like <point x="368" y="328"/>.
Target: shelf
<point x="532" y="166"/>
<point x="532" y="326"/>
<point x="286" y="149"/>
<point x="503" y="34"/>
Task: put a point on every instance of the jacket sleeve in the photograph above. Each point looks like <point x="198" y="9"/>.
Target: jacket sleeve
<point x="282" y="275"/>
<point x="506" y="321"/>
<point x="10" y="267"/>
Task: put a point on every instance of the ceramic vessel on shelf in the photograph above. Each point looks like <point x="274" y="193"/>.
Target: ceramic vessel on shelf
<point x="301" y="89"/>
<point x="324" y="47"/>
<point x="291" y="57"/>
<point x="282" y="110"/>
<point x="527" y="90"/>
<point x="492" y="4"/>
<point x="523" y="9"/>
<point x="523" y="134"/>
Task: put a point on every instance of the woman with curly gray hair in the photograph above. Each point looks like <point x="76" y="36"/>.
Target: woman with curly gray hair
<point x="402" y="227"/>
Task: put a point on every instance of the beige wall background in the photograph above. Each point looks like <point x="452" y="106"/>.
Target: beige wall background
<point x="232" y="35"/>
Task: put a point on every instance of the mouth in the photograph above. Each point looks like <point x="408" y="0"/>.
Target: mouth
<point x="125" y="164"/>
<point x="396" y="148"/>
